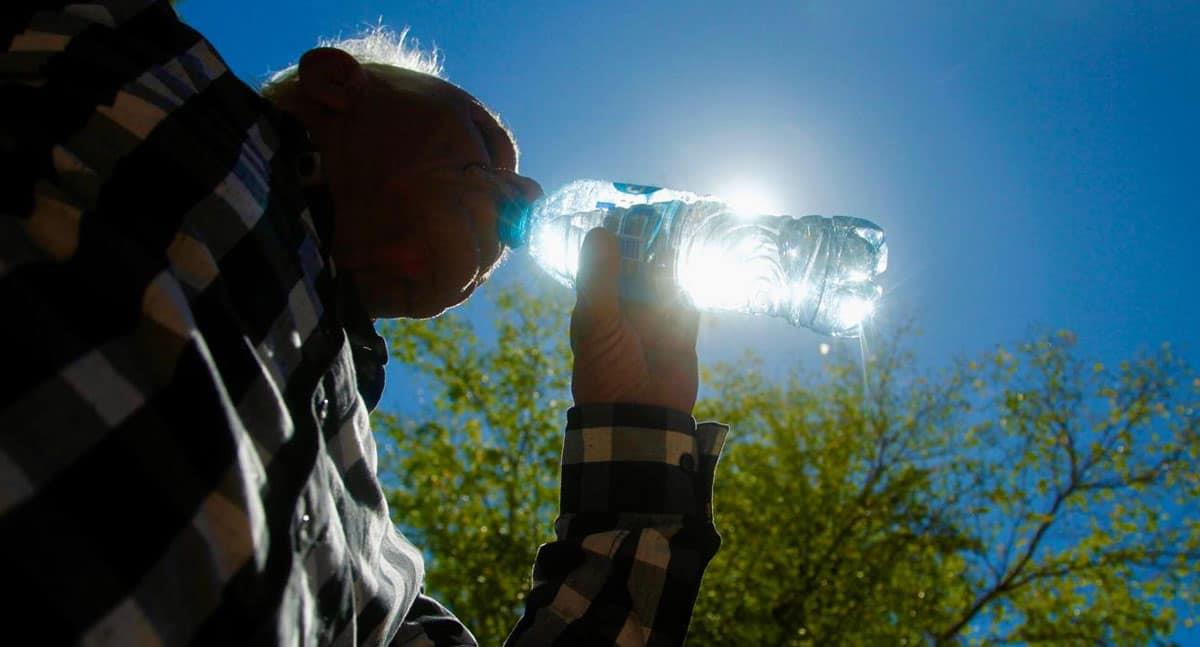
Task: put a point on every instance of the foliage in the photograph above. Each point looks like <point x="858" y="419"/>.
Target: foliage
<point x="476" y="483"/>
<point x="1081" y="491"/>
<point x="831" y="532"/>
<point x="1026" y="497"/>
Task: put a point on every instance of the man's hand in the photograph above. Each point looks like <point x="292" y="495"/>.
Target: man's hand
<point x="629" y="352"/>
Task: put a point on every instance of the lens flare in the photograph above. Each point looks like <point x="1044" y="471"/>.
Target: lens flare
<point x="747" y="199"/>
<point x="852" y="311"/>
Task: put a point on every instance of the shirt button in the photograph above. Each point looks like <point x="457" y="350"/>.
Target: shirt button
<point x="687" y="462"/>
<point x="304" y="528"/>
<point x="322" y="409"/>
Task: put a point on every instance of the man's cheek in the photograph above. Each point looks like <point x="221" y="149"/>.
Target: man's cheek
<point x="408" y="259"/>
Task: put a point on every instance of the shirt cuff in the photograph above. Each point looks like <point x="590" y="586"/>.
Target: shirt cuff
<point x="638" y="459"/>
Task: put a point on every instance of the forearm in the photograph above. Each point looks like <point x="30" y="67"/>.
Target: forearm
<point x="635" y="531"/>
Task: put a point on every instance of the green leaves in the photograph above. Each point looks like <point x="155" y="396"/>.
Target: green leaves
<point x="475" y="480"/>
<point x="1077" y="475"/>
<point x="829" y="535"/>
<point x="1018" y="497"/>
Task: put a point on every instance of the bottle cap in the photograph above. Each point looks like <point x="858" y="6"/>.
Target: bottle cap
<point x="512" y="226"/>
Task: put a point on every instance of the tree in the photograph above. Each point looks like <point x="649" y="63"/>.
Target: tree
<point x="826" y="505"/>
<point x="1082" y="492"/>
<point x="1028" y="497"/>
<point x="475" y="484"/>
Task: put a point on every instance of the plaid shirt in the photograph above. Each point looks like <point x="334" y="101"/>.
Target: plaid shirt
<point x="185" y="455"/>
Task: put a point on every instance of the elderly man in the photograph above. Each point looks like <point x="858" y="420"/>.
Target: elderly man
<point x="189" y="274"/>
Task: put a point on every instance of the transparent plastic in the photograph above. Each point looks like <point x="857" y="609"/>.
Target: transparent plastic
<point x="817" y="272"/>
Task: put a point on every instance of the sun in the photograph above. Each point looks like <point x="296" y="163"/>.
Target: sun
<point x="748" y="198"/>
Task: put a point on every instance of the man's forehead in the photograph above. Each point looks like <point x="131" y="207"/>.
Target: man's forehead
<point x="499" y="140"/>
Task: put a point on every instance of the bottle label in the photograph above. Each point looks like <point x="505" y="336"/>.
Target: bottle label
<point x="640" y="236"/>
<point x="637" y="230"/>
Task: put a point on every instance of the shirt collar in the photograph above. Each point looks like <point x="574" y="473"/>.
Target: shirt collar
<point x="296" y="145"/>
<point x="369" y="350"/>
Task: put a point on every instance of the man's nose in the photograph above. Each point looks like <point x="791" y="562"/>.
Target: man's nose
<point x="528" y="187"/>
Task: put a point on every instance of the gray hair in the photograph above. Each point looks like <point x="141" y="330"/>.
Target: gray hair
<point x="376" y="47"/>
<point x="380" y="50"/>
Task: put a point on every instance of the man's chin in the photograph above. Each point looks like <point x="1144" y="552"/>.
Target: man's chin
<point x="427" y="306"/>
<point x="422" y="312"/>
<point x="401" y="297"/>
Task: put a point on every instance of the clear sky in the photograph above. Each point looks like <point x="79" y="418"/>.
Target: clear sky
<point x="1035" y="164"/>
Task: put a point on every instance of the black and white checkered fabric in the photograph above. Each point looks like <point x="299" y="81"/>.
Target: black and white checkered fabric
<point x="185" y="454"/>
<point x="635" y="530"/>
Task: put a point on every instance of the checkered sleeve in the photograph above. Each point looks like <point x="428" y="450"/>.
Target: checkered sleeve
<point x="429" y="624"/>
<point x="634" y="534"/>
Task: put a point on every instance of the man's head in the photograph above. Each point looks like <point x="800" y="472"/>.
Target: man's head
<point x="419" y="171"/>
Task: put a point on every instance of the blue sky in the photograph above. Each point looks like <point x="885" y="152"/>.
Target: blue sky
<point x="1034" y="163"/>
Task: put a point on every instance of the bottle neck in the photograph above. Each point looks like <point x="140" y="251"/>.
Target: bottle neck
<point x="514" y="223"/>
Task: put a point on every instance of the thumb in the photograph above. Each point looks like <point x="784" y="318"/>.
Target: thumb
<point x="599" y="268"/>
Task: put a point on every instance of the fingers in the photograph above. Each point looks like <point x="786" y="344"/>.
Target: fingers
<point x="689" y="326"/>
<point x="608" y="362"/>
<point x="671" y="327"/>
<point x="627" y="351"/>
<point x="596" y="283"/>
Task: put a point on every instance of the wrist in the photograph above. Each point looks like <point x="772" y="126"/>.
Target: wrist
<point x="630" y="414"/>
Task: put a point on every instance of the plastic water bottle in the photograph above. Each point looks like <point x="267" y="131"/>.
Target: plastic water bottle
<point x="815" y="272"/>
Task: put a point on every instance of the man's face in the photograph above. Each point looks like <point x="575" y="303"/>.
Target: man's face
<point x="419" y="172"/>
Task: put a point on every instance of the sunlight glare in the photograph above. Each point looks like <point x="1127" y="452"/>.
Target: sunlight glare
<point x="852" y="311"/>
<point x="748" y="198"/>
<point x="734" y="273"/>
<point x="559" y="251"/>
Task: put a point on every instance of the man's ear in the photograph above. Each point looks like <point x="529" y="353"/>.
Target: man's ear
<point x="331" y="78"/>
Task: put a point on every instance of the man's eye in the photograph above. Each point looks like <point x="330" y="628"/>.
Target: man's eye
<point x="477" y="169"/>
<point x="484" y="136"/>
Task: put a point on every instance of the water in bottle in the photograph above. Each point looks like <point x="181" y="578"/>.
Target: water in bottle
<point x="816" y="272"/>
